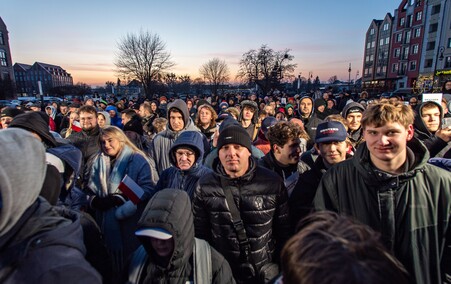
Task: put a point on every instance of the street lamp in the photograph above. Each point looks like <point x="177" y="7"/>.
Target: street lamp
<point x="439" y="57"/>
<point x="349" y="79"/>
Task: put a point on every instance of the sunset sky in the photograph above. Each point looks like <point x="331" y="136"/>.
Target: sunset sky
<point x="82" y="36"/>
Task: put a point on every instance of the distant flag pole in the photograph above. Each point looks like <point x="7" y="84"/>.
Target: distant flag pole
<point x="131" y="189"/>
<point x="299" y="82"/>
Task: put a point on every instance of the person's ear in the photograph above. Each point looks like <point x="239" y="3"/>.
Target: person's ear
<point x="410" y="132"/>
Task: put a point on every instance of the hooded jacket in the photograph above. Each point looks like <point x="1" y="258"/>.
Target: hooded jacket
<point x="262" y="200"/>
<point x="433" y="143"/>
<point x="107" y="117"/>
<point x="411" y="210"/>
<point x="356" y="136"/>
<point x="37" y="245"/>
<point x="187" y="180"/>
<point x="170" y="209"/>
<point x="116" y="120"/>
<point x="162" y="142"/>
<point x="253" y="128"/>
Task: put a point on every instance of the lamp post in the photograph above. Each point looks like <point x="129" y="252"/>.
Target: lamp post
<point x="439" y="57"/>
<point x="349" y="79"/>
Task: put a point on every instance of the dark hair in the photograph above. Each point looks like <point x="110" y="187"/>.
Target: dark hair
<point x="88" y="109"/>
<point x="281" y="132"/>
<point x="335" y="249"/>
<point x="129" y="113"/>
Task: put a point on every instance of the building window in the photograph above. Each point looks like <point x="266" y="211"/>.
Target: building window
<point x="419" y="15"/>
<point x="373" y="44"/>
<point x="386" y="26"/>
<point x="399" y="37"/>
<point x="430" y="45"/>
<point x="368" y="45"/>
<point x="397" y="53"/>
<point x="405" y="53"/>
<point x="2" y="40"/>
<point x="372" y="31"/>
<point x="435" y="9"/>
<point x="367" y="58"/>
<point x="412" y="65"/>
<point x="3" y="61"/>
<point x="433" y="28"/>
<point x="417" y="32"/>
<point x="394" y="68"/>
<point x="407" y="37"/>
<point x="415" y="49"/>
<point x="387" y="40"/>
<point x="449" y="43"/>
<point x="381" y="42"/>
<point x="402" y="21"/>
<point x="428" y="63"/>
<point x="418" y="4"/>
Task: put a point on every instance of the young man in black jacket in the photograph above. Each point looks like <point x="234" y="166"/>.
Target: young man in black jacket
<point x="251" y="246"/>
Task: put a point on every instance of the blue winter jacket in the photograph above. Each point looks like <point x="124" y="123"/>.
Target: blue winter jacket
<point x="174" y="177"/>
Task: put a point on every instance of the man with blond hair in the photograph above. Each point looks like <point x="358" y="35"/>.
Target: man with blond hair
<point x="390" y="187"/>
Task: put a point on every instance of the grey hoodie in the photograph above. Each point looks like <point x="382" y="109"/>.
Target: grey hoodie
<point x="20" y="179"/>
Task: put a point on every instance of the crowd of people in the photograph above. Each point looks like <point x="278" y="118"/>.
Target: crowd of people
<point x="322" y="188"/>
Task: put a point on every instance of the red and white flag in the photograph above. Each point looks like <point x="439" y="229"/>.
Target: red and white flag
<point x="76" y="126"/>
<point x="131" y="189"/>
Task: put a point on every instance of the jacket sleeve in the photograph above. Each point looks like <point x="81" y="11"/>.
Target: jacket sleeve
<point x="222" y="273"/>
<point x="434" y="145"/>
<point x="326" y="197"/>
<point x="282" y="221"/>
<point x="153" y="165"/>
<point x="201" y="224"/>
<point x="143" y="176"/>
<point x="446" y="259"/>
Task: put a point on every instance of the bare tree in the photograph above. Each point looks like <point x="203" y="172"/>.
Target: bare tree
<point x="216" y="72"/>
<point x="143" y="56"/>
<point x="266" y="68"/>
<point x="333" y="79"/>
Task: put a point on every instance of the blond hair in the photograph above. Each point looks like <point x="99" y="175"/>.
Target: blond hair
<point x="383" y="112"/>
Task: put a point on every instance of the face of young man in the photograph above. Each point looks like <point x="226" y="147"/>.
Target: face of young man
<point x="387" y="145"/>
<point x="185" y="158"/>
<point x="176" y="121"/>
<point x="142" y="111"/>
<point x="289" y="153"/>
<point x="163" y="248"/>
<point x="63" y="109"/>
<point x="125" y="119"/>
<point x="354" y="120"/>
<point x="235" y="159"/>
<point x="306" y="107"/>
<point x="88" y="121"/>
<point x="431" y="118"/>
<point x="332" y="152"/>
<point x="248" y="113"/>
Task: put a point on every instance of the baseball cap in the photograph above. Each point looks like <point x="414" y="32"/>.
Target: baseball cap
<point x="330" y="131"/>
<point x="157" y="233"/>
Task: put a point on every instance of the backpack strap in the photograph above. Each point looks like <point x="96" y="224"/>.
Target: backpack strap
<point x="202" y="262"/>
<point x="137" y="265"/>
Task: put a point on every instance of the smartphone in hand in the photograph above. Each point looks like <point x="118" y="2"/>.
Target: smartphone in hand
<point x="446" y="122"/>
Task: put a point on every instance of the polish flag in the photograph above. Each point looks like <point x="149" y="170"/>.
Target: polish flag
<point x="76" y="126"/>
<point x="131" y="189"/>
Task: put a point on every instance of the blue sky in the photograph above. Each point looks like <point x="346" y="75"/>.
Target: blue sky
<point x="82" y="36"/>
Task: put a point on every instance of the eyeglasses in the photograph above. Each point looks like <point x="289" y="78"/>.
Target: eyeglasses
<point x="184" y="153"/>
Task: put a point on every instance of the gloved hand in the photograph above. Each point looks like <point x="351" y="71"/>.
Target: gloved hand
<point x="108" y="202"/>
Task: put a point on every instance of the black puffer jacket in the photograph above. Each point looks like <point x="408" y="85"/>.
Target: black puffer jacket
<point x="170" y="209"/>
<point x="411" y="210"/>
<point x="262" y="200"/>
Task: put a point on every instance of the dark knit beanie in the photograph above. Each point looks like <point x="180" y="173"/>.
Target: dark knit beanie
<point x="11" y="112"/>
<point x="234" y="134"/>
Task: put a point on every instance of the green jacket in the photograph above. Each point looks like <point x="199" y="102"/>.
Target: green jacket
<point x="411" y="211"/>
